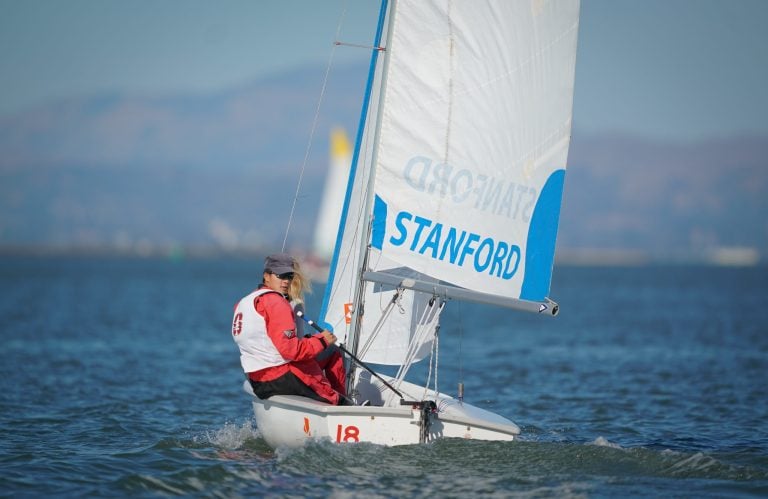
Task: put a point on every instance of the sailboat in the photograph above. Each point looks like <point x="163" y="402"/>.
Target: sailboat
<point x="329" y="214"/>
<point x="454" y="193"/>
<point x="315" y="264"/>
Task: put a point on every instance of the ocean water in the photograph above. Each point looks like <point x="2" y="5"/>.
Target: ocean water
<point x="119" y="378"/>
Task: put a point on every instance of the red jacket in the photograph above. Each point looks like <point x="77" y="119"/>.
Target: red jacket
<point x="299" y="352"/>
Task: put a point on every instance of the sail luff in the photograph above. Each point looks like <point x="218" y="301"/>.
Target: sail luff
<point x="359" y="293"/>
<point x="353" y="170"/>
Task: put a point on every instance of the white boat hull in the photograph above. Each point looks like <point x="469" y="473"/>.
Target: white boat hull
<point x="291" y="421"/>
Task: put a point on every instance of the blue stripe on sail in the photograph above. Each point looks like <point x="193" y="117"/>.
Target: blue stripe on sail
<point x="379" y="222"/>
<point x="542" y="233"/>
<point x="353" y="167"/>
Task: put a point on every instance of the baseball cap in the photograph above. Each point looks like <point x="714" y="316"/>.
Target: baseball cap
<point x="279" y="263"/>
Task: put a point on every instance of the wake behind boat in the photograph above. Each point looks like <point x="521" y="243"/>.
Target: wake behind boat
<point x="454" y="193"/>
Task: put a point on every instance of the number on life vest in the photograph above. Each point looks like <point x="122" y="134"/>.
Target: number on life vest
<point x="348" y="434"/>
<point x="237" y="324"/>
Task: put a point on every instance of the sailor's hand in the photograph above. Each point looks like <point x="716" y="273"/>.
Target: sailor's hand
<point x="329" y="337"/>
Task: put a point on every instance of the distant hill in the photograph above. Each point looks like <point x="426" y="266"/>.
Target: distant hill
<point x="219" y="171"/>
<point x="666" y="199"/>
<point x="209" y="171"/>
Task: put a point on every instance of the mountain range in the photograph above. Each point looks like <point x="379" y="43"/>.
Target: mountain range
<point x="220" y="172"/>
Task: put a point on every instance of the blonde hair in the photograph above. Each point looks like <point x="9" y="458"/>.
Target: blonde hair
<point x="299" y="285"/>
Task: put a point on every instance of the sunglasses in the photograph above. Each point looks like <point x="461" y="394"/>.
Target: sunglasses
<point x="288" y="276"/>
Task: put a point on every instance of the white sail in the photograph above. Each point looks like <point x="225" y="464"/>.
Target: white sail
<point x="474" y="141"/>
<point x="460" y="162"/>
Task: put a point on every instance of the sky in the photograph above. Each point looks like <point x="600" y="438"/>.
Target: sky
<point x="675" y="70"/>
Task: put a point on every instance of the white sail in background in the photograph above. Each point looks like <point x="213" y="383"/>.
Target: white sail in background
<point x="332" y="201"/>
<point x="461" y="162"/>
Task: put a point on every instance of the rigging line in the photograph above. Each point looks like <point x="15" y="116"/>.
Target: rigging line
<point x="360" y="46"/>
<point x="424" y="329"/>
<point x="428" y="323"/>
<point x="433" y="356"/>
<point x="437" y="356"/>
<point x="461" y="337"/>
<point x="377" y="328"/>
<point x="437" y="345"/>
<point x="313" y="128"/>
<point x="429" y="372"/>
<point x="410" y="353"/>
<point x="433" y="361"/>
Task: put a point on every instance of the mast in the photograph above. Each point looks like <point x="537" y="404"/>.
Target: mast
<point x="355" y="172"/>
<point x="359" y="302"/>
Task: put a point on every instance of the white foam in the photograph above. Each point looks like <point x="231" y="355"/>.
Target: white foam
<point x="603" y="442"/>
<point x="232" y="436"/>
<point x="695" y="462"/>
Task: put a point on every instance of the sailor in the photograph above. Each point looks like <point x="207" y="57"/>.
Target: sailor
<point x="275" y="358"/>
<point x="330" y="359"/>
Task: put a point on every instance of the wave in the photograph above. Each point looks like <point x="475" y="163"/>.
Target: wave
<point x="231" y="435"/>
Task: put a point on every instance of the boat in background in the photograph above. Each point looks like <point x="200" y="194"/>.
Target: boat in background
<point x="332" y="203"/>
<point x="454" y="193"/>
<point x="316" y="263"/>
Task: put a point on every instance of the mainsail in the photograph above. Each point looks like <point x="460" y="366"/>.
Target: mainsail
<point x="458" y="169"/>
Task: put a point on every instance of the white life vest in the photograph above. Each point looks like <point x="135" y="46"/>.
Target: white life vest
<point x="249" y="330"/>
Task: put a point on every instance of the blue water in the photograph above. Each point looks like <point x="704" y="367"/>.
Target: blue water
<point x="119" y="378"/>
